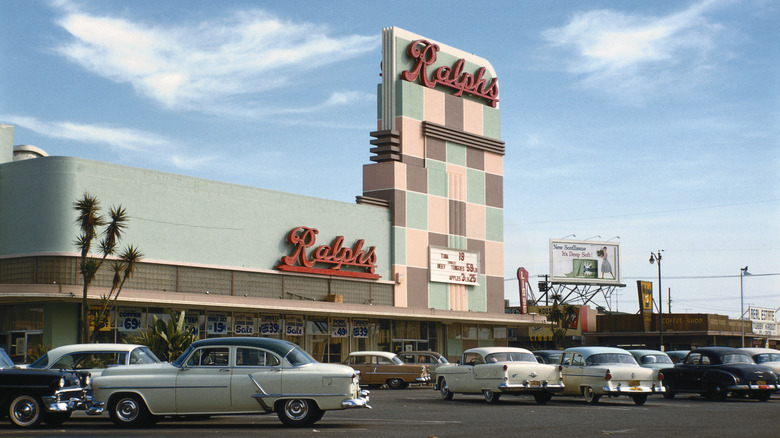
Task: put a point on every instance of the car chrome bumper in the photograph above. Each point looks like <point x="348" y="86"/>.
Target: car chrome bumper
<point x="360" y="402"/>
<point x="620" y="389"/>
<point x="753" y="388"/>
<point x="424" y="379"/>
<point x="526" y="386"/>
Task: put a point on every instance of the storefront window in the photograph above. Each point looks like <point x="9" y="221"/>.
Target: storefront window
<point x="485" y="333"/>
<point x="317" y="338"/>
<point x="469" y="331"/>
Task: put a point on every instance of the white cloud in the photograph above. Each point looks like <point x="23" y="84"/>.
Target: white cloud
<point x="134" y="141"/>
<point x="631" y="56"/>
<point x="195" y="66"/>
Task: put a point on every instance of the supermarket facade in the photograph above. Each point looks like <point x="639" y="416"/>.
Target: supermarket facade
<point x="415" y="263"/>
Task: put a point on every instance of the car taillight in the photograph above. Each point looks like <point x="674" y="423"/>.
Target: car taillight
<point x="660" y="376"/>
<point x="608" y="376"/>
<point x="560" y="367"/>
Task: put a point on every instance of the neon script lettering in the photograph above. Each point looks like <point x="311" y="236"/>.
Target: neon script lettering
<point x="335" y="255"/>
<point x="452" y="77"/>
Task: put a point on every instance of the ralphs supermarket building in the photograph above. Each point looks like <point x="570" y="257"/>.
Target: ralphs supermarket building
<point x="416" y="263"/>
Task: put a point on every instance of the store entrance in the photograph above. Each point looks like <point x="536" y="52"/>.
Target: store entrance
<point x="18" y="344"/>
<point x="401" y="345"/>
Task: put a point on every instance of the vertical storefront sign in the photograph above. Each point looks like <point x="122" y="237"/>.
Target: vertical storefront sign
<point x="645" y="289"/>
<point x="129" y="320"/>
<point x="339" y="328"/>
<point x="269" y="325"/>
<point x="216" y="324"/>
<point x="244" y="324"/>
<point x="294" y="326"/>
<point x="359" y="327"/>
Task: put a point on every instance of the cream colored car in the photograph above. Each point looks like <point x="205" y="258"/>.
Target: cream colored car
<point x="593" y="372"/>
<point x="494" y="371"/>
<point x="230" y="376"/>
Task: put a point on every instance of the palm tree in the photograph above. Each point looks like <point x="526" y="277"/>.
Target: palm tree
<point x="89" y="221"/>
<point x="123" y="269"/>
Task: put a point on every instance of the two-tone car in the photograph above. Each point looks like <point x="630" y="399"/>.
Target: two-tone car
<point x="494" y="371"/>
<point x="430" y="359"/>
<point x="218" y="376"/>
<point x="379" y="368"/>
<point x="768" y="357"/>
<point x="94" y="358"/>
<point x="716" y="372"/>
<point x="29" y="397"/>
<point x="593" y="372"/>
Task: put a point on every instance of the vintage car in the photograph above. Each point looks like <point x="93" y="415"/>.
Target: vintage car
<point x="714" y="372"/>
<point x="494" y="371"/>
<point x="767" y="357"/>
<point x="378" y="368"/>
<point x="593" y="372"/>
<point x="430" y="359"/>
<point x="94" y="358"/>
<point x="677" y="356"/>
<point x="230" y="376"/>
<point x="548" y="356"/>
<point x="28" y="397"/>
<point x="655" y="359"/>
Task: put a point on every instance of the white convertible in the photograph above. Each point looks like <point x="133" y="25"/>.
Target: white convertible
<point x="230" y="376"/>
<point x="493" y="371"/>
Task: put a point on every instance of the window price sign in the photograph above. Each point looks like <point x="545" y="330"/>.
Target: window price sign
<point x="216" y="324"/>
<point x="192" y="323"/>
<point x="294" y="325"/>
<point x="359" y="327"/>
<point x="454" y="266"/>
<point x="129" y="320"/>
<point x="243" y="324"/>
<point x="339" y="328"/>
<point x="269" y="325"/>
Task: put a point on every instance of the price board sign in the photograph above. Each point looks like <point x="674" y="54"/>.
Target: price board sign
<point x="454" y="266"/>
<point x="339" y="328"/>
<point x="359" y="327"/>
<point x="269" y="325"/>
<point x="129" y="320"/>
<point x="192" y="323"/>
<point x="216" y="324"/>
<point x="294" y="326"/>
<point x="243" y="324"/>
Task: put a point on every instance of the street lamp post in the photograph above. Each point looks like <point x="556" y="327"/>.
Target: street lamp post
<point x="742" y="273"/>
<point x="653" y="258"/>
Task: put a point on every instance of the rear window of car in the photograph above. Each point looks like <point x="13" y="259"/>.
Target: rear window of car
<point x="736" y="358"/>
<point x="607" y="358"/>
<point x="767" y="357"/>
<point x="511" y="356"/>
<point x="656" y="358"/>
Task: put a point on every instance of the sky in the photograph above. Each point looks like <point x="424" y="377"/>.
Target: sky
<point x="653" y="124"/>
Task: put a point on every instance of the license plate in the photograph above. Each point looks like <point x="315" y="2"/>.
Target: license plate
<point x="535" y="383"/>
<point x="761" y="382"/>
<point x="633" y="383"/>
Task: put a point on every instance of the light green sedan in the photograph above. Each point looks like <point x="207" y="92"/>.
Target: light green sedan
<point x="230" y="376"/>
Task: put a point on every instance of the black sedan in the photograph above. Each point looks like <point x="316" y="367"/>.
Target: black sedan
<point x="28" y="397"/>
<point x="714" y="372"/>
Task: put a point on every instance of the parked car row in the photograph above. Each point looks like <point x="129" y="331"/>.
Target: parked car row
<point x="269" y="376"/>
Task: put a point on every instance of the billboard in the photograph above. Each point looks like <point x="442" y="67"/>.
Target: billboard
<point x="763" y="321"/>
<point x="581" y="262"/>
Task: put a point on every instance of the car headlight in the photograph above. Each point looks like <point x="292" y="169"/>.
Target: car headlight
<point x="62" y="382"/>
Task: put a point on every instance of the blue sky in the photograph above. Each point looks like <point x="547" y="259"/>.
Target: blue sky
<point x="654" y="121"/>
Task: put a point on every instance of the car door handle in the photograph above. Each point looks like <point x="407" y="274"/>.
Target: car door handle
<point x="224" y="370"/>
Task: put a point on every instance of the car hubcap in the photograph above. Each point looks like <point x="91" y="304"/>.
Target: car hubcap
<point x="296" y="409"/>
<point x="25" y="411"/>
<point x="127" y="409"/>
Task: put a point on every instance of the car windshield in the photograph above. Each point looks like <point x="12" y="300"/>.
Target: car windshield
<point x="510" y="356"/>
<point x="142" y="355"/>
<point x="605" y="358"/>
<point x="736" y="358"/>
<point x="5" y="360"/>
<point x="41" y="362"/>
<point x="397" y="360"/>
<point x="767" y="357"/>
<point x="298" y="357"/>
<point x="656" y="358"/>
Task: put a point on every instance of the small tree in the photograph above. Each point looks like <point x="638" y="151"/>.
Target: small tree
<point x="563" y="316"/>
<point x="166" y="339"/>
<point x="90" y="221"/>
<point x="123" y="269"/>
